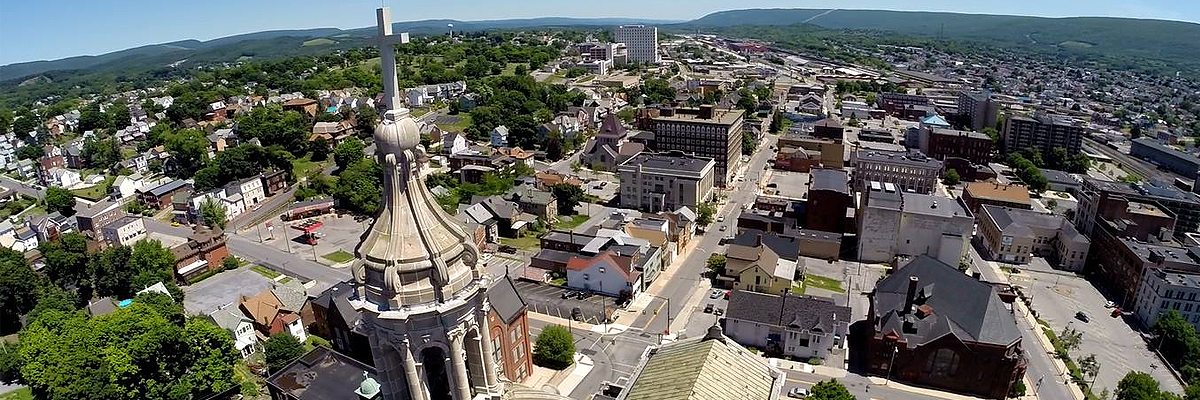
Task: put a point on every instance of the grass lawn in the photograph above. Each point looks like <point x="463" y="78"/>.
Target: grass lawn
<point x="570" y="222"/>
<point x="317" y="42"/>
<point x="463" y="122"/>
<point x="558" y="281"/>
<point x="417" y="112"/>
<point x="821" y="282"/>
<point x="798" y="289"/>
<point x="511" y="69"/>
<point x="264" y="271"/>
<point x="525" y="242"/>
<point x="19" y="394"/>
<point x="339" y="256"/>
<point x="305" y="166"/>
<point x="95" y="193"/>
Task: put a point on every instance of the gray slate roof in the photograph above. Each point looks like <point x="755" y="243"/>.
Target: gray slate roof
<point x="962" y="306"/>
<point x="830" y="179"/>
<point x="803" y="312"/>
<point x="505" y="300"/>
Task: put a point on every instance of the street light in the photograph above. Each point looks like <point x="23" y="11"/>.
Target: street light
<point x="893" y="361"/>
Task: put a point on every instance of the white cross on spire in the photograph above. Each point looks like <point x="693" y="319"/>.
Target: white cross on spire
<point x="387" y="56"/>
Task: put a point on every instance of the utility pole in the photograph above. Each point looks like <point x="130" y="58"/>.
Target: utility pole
<point x="893" y="361"/>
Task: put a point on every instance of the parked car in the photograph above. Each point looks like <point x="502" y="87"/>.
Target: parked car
<point x="719" y="312"/>
<point x="577" y="314"/>
<point x="723" y="228"/>
<point x="798" y="393"/>
<point x="583" y="295"/>
<point x="708" y="309"/>
<point x="568" y="294"/>
<point x="1082" y="317"/>
<point x="1110" y="304"/>
<point x="721" y="219"/>
<point x="508" y="249"/>
<point x="727" y="292"/>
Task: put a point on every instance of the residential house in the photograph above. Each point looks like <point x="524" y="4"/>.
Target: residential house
<point x="303" y="106"/>
<point x="270" y="316"/>
<point x="803" y="327"/>
<point x="757" y="268"/>
<point x="335" y="318"/>
<point x="274" y="182"/>
<point x="160" y="197"/>
<point x="203" y="251"/>
<point x="332" y="132"/>
<point x="62" y="177"/>
<point x="92" y="217"/>
<point x="499" y="136"/>
<point x="976" y="194"/>
<point x="251" y="190"/>
<point x="454" y="143"/>
<point x="534" y="201"/>
<point x="124" y="232"/>
<point x="606" y="273"/>
<point x="239" y="326"/>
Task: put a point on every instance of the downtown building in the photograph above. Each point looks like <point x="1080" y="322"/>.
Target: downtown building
<point x="705" y="132"/>
<point x="1043" y="132"/>
<point x="1099" y="198"/>
<point x="641" y="42"/>
<point x="665" y="182"/>
<point x="910" y="171"/>
<point x="978" y="108"/>
<point x="894" y="223"/>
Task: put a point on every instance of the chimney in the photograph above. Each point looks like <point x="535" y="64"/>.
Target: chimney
<point x="912" y="293"/>
<point x="706" y="111"/>
<point x="758" y="240"/>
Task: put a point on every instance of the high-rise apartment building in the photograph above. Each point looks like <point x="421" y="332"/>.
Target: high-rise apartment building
<point x="641" y="42"/>
<point x="1043" y="132"/>
<point x="706" y="132"/>
<point x="979" y="109"/>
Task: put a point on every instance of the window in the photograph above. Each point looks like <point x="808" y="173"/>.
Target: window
<point x="943" y="363"/>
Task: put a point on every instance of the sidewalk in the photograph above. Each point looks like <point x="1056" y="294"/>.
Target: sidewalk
<point x="931" y="393"/>
<point x="1059" y="366"/>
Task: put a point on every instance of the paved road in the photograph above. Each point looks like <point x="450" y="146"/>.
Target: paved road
<point x="35" y="191"/>
<point x="287" y="263"/>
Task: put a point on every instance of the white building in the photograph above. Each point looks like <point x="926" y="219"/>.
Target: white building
<point x="641" y="42"/>
<point x="798" y="326"/>
<point x="239" y="326"/>
<point x="454" y="143"/>
<point x="855" y="109"/>
<point x="604" y="274"/>
<point x="63" y="177"/>
<point x="896" y="223"/>
<point x="250" y="188"/>
<point x="1163" y="291"/>
<point x="125" y="231"/>
<point x="423" y="95"/>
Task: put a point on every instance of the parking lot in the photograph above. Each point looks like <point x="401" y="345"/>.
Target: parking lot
<point x="547" y="299"/>
<point x="207" y="295"/>
<point x="1117" y="346"/>
<point x="702" y="320"/>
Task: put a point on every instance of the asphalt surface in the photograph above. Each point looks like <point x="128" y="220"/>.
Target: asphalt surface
<point x="35" y="191"/>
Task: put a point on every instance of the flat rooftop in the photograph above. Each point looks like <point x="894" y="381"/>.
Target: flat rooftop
<point x="1012" y="193"/>
<point x="692" y="115"/>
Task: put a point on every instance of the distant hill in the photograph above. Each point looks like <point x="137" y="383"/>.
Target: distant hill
<point x="1170" y="42"/>
<point x="196" y="50"/>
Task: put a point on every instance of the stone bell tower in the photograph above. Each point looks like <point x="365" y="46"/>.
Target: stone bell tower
<point x="418" y="282"/>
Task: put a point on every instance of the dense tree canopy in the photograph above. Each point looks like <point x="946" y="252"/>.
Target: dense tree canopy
<point x="281" y="348"/>
<point x="133" y="353"/>
<point x="554" y="348"/>
<point x="59" y="199"/>
<point x="359" y="187"/>
<point x="274" y="126"/>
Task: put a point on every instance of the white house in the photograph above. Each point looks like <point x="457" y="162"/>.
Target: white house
<point x="63" y="177"/>
<point x="238" y="325"/>
<point x="604" y="273"/>
<point x="250" y="188"/>
<point x="126" y="186"/>
<point x="125" y="231"/>
<point x="454" y="143"/>
<point x="499" y="136"/>
<point x="798" y="326"/>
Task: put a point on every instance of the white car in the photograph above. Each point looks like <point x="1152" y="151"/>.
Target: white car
<point x="798" y="393"/>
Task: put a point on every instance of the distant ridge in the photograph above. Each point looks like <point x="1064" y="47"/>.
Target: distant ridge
<point x="1172" y="42"/>
<point x="155" y="51"/>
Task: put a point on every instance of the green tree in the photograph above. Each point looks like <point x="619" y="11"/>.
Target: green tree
<point x="91" y="118"/>
<point x="66" y="260"/>
<point x="61" y="200"/>
<point x="110" y="272"/>
<point x="830" y="390"/>
<point x="348" y="152"/>
<point x="31" y="152"/>
<point x="101" y="153"/>
<point x="716" y="264"/>
<point x="1089" y="366"/>
<point x="189" y="149"/>
<point x="1070" y="339"/>
<point x="212" y="213"/>
<point x="281" y="348"/>
<point x="567" y="196"/>
<point x="748" y="143"/>
<point x="10" y="364"/>
<point x="1178" y="340"/>
<point x="951" y="177"/>
<point x="704" y="214"/>
<point x="1139" y="386"/>
<point x="118" y="115"/>
<point x="319" y="148"/>
<point x="133" y="353"/>
<point x="153" y="263"/>
<point x="18" y="289"/>
<point x="554" y="348"/>
<point x="25" y="122"/>
<point x="359" y="187"/>
<point x="274" y="126"/>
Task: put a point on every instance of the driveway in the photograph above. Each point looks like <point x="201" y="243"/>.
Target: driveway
<point x="210" y="294"/>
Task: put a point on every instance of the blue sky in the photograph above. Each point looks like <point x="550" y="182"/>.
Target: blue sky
<point x="50" y="29"/>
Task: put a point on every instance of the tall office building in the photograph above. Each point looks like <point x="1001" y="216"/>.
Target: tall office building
<point x="979" y="109"/>
<point x="706" y="132"/>
<point x="417" y="282"/>
<point x="1043" y="132"/>
<point x="640" y="40"/>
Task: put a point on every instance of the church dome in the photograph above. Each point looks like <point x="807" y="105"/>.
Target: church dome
<point x="414" y="253"/>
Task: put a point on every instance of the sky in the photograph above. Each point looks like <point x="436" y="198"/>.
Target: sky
<point x="50" y="29"/>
